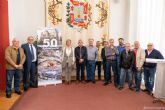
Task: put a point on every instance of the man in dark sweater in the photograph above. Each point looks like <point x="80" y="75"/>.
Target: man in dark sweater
<point x="127" y="59"/>
<point x="150" y="68"/>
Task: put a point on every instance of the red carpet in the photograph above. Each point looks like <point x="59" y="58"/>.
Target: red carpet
<point x="85" y="97"/>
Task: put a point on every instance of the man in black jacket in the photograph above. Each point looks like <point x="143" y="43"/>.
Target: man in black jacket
<point x="81" y="56"/>
<point x="105" y="44"/>
<point x="127" y="59"/>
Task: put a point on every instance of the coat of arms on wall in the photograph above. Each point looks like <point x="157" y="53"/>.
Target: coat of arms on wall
<point x="78" y="14"/>
<point x="53" y="11"/>
<point x="103" y="12"/>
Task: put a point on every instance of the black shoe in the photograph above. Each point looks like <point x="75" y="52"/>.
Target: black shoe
<point x="106" y="83"/>
<point x="87" y="81"/>
<point x="120" y="88"/>
<point x="8" y="95"/>
<point x="25" y="89"/>
<point x="145" y="90"/>
<point x="116" y="85"/>
<point x="18" y="92"/>
<point x="137" y="90"/>
<point x="131" y="88"/>
<point x="33" y="86"/>
<point x="150" y="93"/>
<point x="93" y="82"/>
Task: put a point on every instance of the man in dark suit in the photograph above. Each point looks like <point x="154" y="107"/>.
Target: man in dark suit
<point x="30" y="65"/>
<point x="81" y="55"/>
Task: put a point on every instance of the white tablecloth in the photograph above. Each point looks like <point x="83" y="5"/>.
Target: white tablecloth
<point x="159" y="89"/>
<point x="159" y="86"/>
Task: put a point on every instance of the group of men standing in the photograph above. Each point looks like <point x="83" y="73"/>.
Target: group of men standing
<point x="18" y="59"/>
<point x="122" y="60"/>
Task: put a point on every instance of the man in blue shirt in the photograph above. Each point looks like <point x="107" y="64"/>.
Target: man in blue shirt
<point x="121" y="48"/>
<point x="150" y="68"/>
<point x="92" y="55"/>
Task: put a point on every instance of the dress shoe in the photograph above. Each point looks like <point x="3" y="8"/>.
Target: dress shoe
<point x="34" y="86"/>
<point x="116" y="85"/>
<point x="25" y="89"/>
<point x="120" y="88"/>
<point x="145" y="90"/>
<point x="77" y="82"/>
<point x="87" y="81"/>
<point x="137" y="90"/>
<point x="106" y="83"/>
<point x="130" y="88"/>
<point x="8" y="95"/>
<point x="93" y="82"/>
<point x="18" y="92"/>
<point x="150" y="93"/>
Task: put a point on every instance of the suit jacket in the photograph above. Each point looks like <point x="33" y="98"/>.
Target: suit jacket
<point x="83" y="53"/>
<point x="28" y="61"/>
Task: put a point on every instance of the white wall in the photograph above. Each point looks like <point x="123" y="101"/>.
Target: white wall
<point x="119" y="19"/>
<point x="25" y="16"/>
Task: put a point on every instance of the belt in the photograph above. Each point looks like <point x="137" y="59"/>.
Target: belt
<point x="110" y="60"/>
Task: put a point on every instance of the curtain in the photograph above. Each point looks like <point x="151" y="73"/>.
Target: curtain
<point x="147" y="23"/>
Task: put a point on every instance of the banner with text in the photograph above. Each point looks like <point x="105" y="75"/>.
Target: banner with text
<point x="49" y="56"/>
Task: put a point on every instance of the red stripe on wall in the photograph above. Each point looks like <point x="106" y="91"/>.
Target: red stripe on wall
<point x="4" y="39"/>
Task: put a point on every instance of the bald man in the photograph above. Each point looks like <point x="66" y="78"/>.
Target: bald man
<point x="150" y="68"/>
<point x="15" y="58"/>
<point x="30" y="66"/>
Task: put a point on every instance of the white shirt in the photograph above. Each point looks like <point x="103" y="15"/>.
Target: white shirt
<point x="149" y="52"/>
<point x="68" y="52"/>
<point x="34" y="50"/>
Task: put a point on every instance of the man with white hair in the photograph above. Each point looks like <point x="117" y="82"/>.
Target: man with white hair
<point x="139" y="61"/>
<point x="150" y="68"/>
<point x="15" y="58"/>
<point x="92" y="55"/>
<point x="30" y="66"/>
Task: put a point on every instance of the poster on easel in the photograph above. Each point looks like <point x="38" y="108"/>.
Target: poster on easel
<point x="49" y="46"/>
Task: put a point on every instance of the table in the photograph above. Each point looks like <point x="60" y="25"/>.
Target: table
<point x="159" y="86"/>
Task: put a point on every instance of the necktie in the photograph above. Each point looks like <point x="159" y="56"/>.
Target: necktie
<point x="80" y="53"/>
<point x="32" y="52"/>
<point x="18" y="57"/>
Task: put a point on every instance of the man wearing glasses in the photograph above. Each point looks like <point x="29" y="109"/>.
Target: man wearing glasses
<point x="150" y="68"/>
<point x="30" y="66"/>
<point x="15" y="58"/>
